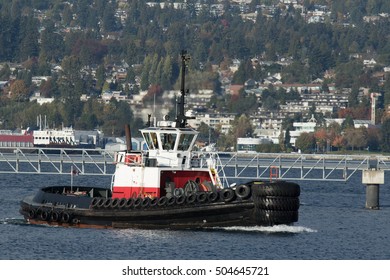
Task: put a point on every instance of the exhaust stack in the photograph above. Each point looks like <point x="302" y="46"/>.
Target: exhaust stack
<point x="128" y="138"/>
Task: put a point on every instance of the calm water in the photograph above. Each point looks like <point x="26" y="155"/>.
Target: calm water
<point x="333" y="224"/>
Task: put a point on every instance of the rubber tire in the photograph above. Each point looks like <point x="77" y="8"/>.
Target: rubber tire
<point x="201" y="197"/>
<point x="243" y="191"/>
<point x="44" y="215"/>
<point x="212" y="197"/>
<point x="94" y="202"/>
<point x="271" y="217"/>
<point x="54" y="216"/>
<point x="191" y="198"/>
<point x="279" y="188"/>
<point x="154" y="202"/>
<point x="227" y="195"/>
<point x="107" y="203"/>
<point x="180" y="200"/>
<point x="138" y="202"/>
<point x="65" y="217"/>
<point x="277" y="203"/>
<point x="171" y="201"/>
<point x="32" y="214"/>
<point x="162" y="202"/>
<point x="145" y="203"/>
<point x="101" y="202"/>
<point x="129" y="203"/>
<point x="114" y="203"/>
<point x="122" y="203"/>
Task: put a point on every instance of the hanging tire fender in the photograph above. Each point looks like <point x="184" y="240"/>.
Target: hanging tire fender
<point x="243" y="191"/>
<point x="65" y="217"/>
<point x="44" y="215"/>
<point x="228" y="195"/>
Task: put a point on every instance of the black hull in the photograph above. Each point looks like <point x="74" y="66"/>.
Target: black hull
<point x="267" y="207"/>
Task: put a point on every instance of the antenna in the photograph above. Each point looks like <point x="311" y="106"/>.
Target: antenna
<point x="181" y="119"/>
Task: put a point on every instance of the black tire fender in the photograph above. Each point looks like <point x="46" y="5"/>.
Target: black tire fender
<point x="145" y="202"/>
<point x="180" y="199"/>
<point x="100" y="202"/>
<point x="228" y="195"/>
<point x="212" y="197"/>
<point x="243" y="191"/>
<point x="32" y="214"/>
<point x="153" y="202"/>
<point x="129" y="203"/>
<point x="114" y="203"/>
<point x="191" y="198"/>
<point x="138" y="202"/>
<point x="54" y="216"/>
<point x="278" y="188"/>
<point x="122" y="203"/>
<point x="107" y="203"/>
<point x="162" y="201"/>
<point x="94" y="202"/>
<point x="65" y="217"/>
<point x="201" y="197"/>
<point x="44" y="215"/>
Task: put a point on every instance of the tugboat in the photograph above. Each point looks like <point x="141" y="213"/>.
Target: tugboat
<point x="165" y="187"/>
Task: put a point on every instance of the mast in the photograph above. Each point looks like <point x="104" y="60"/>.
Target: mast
<point x="181" y="119"/>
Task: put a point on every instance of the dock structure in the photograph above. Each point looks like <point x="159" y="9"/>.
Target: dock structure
<point x="230" y="166"/>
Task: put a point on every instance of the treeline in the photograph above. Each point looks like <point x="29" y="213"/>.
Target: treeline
<point x="85" y="33"/>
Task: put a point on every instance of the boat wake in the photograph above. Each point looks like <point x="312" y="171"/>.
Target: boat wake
<point x="272" y="229"/>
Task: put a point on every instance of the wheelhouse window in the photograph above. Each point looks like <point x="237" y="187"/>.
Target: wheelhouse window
<point x="148" y="140"/>
<point x="185" y="141"/>
<point x="168" y="140"/>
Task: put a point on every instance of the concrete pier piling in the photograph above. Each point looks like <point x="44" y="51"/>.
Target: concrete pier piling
<point x="372" y="178"/>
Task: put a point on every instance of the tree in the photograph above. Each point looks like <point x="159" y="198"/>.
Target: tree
<point x="305" y="142"/>
<point x="19" y="90"/>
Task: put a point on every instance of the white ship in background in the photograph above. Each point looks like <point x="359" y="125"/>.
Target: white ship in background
<point x="66" y="137"/>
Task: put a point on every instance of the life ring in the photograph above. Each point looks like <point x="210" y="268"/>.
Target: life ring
<point x="129" y="203"/>
<point x="212" y="196"/>
<point x="201" y="197"/>
<point x="31" y="214"/>
<point x="171" y="201"/>
<point x="227" y="195"/>
<point x="122" y="203"/>
<point x="243" y="191"/>
<point x="65" y="217"/>
<point x="145" y="202"/>
<point x="162" y="201"/>
<point x="114" y="202"/>
<point x="180" y="199"/>
<point x="138" y="202"/>
<point x="191" y="198"/>
<point x="54" y="216"/>
<point x="44" y="215"/>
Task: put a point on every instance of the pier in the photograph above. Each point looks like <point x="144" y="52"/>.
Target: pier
<point x="229" y="166"/>
<point x="286" y="166"/>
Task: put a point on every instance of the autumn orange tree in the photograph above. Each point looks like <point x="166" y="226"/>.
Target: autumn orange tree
<point x="19" y="91"/>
